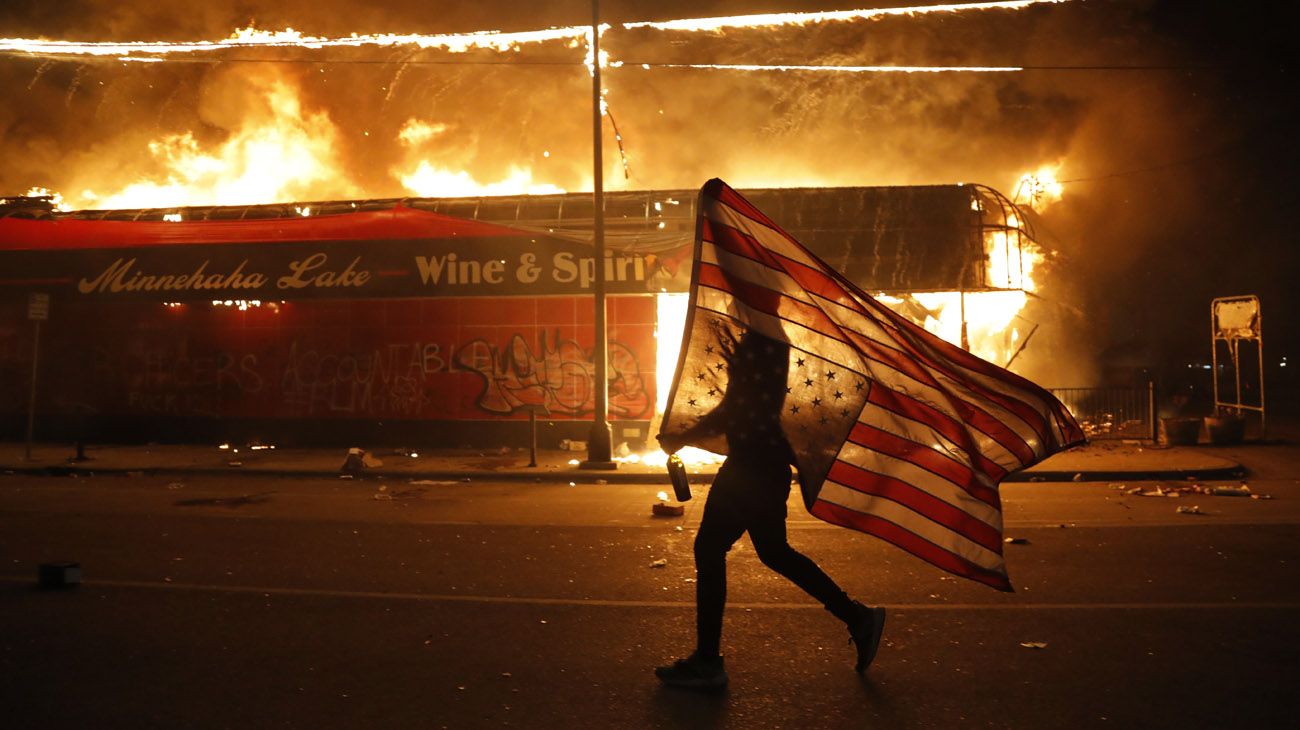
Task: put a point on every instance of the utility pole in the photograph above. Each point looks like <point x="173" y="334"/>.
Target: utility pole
<point x="600" y="441"/>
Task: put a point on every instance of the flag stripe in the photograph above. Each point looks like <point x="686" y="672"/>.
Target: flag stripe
<point x="936" y="350"/>
<point x="925" y="505"/>
<point x="728" y="197"/>
<point x="937" y="420"/>
<point x="882" y="419"/>
<point x="813" y="280"/>
<point x="935" y="392"/>
<point x="910" y="542"/>
<point x="924" y="457"/>
<point x="1021" y="403"/>
<point x="936" y="395"/>
<point x="769" y="238"/>
<point x="768" y="300"/>
<point x="997" y="430"/>
<point x="1029" y="422"/>
<point x="920" y="525"/>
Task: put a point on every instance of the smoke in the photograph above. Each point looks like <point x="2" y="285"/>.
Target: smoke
<point x="76" y="126"/>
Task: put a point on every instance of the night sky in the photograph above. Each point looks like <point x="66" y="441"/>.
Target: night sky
<point x="1173" y="119"/>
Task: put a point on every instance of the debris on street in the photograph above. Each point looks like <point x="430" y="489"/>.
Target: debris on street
<point x="663" y="509"/>
<point x="1222" y="490"/>
<point x="59" y="574"/>
<point x="1016" y="540"/>
<point x="661" y="562"/>
<point x="355" y="463"/>
<point x="1189" y="510"/>
<point x="1034" y="644"/>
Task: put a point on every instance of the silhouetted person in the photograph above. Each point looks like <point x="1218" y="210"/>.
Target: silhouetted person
<point x="749" y="494"/>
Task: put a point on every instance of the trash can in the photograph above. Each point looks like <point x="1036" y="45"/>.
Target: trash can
<point x="1226" y="429"/>
<point x="1181" y="431"/>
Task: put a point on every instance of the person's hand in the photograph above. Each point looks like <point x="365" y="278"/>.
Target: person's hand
<point x="669" y="444"/>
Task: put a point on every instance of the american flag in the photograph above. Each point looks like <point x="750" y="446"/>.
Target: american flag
<point x="895" y="432"/>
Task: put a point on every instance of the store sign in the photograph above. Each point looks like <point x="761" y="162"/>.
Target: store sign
<point x="344" y="269"/>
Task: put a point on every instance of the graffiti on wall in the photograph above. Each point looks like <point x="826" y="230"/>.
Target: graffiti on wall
<point x="560" y="377"/>
<point x="389" y="380"/>
<point x="147" y="361"/>
<point x="166" y="378"/>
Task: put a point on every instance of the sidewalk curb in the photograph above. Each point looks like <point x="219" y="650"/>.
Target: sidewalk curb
<point x="1235" y="471"/>
<point x="586" y="477"/>
<point x="579" y="477"/>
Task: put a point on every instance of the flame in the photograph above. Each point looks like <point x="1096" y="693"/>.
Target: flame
<point x="989" y="316"/>
<point x="838" y="69"/>
<point x="1039" y="189"/>
<point x="670" y="323"/>
<point x="429" y="181"/>
<point x="417" y="132"/>
<point x="765" y="20"/>
<point x="56" y="200"/>
<point x="426" y="179"/>
<point x="245" y="38"/>
<point x="689" y="455"/>
<point x="281" y="155"/>
<point x="1011" y="258"/>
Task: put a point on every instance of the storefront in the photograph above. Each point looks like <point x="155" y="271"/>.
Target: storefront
<point x="398" y="325"/>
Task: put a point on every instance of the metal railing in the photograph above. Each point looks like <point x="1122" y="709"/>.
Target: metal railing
<point x="1112" y="413"/>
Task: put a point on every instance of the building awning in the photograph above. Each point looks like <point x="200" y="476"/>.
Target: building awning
<point x="396" y="252"/>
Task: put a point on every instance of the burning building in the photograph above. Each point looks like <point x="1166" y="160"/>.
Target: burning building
<point x="438" y="321"/>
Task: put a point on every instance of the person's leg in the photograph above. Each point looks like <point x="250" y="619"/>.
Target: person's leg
<point x="767" y="530"/>
<point x="721" y="526"/>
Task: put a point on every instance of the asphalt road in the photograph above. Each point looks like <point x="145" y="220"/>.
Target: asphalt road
<point x="260" y="602"/>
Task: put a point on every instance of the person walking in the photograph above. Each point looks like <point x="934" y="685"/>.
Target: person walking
<point x="750" y="494"/>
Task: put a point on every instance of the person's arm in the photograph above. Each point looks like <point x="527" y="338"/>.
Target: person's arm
<point x="710" y="425"/>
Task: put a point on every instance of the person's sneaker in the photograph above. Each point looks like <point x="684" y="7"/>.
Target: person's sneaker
<point x="865" y="633"/>
<point x="694" y="672"/>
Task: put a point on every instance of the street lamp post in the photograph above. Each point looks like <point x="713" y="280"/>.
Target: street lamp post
<point x="600" y="440"/>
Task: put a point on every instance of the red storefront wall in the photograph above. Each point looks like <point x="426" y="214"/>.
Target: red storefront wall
<point x="436" y="360"/>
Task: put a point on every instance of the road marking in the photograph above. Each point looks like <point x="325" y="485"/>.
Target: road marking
<point x="543" y="601"/>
